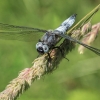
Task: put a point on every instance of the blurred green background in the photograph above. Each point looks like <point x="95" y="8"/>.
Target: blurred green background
<point x="78" y="79"/>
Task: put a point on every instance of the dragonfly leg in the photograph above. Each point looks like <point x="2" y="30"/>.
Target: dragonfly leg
<point x="38" y="55"/>
<point x="61" y="52"/>
<point x="48" y="63"/>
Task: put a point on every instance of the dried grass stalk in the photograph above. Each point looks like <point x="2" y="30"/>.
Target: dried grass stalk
<point x="25" y="78"/>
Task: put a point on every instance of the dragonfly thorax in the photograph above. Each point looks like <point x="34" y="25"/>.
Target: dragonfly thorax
<point x="42" y="48"/>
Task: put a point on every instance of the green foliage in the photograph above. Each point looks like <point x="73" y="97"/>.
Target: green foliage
<point x="73" y="80"/>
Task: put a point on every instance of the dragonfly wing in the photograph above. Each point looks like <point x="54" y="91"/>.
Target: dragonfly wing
<point x="12" y="32"/>
<point x="27" y="36"/>
<point x="95" y="50"/>
<point x="8" y="27"/>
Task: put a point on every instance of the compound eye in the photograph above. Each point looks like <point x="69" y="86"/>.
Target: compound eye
<point x="45" y="48"/>
<point x="39" y="44"/>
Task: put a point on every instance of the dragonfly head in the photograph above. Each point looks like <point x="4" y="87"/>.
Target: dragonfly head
<point x="42" y="48"/>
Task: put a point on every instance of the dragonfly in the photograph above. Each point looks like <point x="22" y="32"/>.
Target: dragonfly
<point x="48" y="40"/>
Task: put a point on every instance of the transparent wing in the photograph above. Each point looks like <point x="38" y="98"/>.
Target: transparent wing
<point x="95" y="50"/>
<point x="18" y="32"/>
<point x="7" y="27"/>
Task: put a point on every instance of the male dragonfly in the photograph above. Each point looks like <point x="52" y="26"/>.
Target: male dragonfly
<point x="49" y="39"/>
